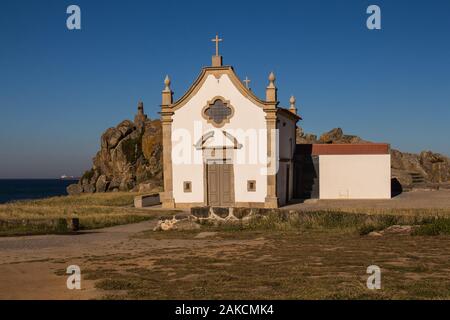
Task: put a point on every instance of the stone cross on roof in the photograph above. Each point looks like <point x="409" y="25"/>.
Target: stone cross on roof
<point x="217" y="40"/>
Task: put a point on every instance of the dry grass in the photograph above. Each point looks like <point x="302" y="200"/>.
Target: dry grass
<point x="93" y="210"/>
<point x="276" y="264"/>
<point x="434" y="212"/>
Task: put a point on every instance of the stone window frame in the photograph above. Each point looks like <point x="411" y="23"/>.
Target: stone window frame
<point x="251" y="185"/>
<point x="187" y="186"/>
<point x="210" y="103"/>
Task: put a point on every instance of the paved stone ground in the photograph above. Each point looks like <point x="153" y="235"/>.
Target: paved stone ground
<point x="419" y="199"/>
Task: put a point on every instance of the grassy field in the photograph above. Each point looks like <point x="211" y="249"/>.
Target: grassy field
<point x="276" y="260"/>
<point x="49" y="215"/>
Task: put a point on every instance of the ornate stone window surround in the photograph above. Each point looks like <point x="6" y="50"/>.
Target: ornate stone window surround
<point x="211" y="103"/>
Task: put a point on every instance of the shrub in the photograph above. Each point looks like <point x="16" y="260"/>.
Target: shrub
<point x="440" y="226"/>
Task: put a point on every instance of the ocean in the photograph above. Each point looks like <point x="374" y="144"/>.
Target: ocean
<point x="20" y="189"/>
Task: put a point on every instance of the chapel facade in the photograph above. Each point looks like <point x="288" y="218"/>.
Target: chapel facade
<point x="224" y="146"/>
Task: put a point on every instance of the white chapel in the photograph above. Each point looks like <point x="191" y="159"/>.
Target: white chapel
<point x="224" y="146"/>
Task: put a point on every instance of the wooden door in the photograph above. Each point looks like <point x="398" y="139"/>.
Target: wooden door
<point x="226" y="185"/>
<point x="220" y="184"/>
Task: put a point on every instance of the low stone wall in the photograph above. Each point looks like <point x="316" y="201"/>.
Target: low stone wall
<point x="214" y="215"/>
<point x="226" y="214"/>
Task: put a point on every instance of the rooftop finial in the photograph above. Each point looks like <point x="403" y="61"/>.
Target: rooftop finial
<point x="271" y="90"/>
<point x="292" y="108"/>
<point x="167" y="83"/>
<point x="272" y="78"/>
<point x="167" y="93"/>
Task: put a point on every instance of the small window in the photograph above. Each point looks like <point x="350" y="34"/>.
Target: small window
<point x="251" y="185"/>
<point x="187" y="186"/>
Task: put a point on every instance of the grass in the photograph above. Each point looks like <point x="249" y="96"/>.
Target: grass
<point x="49" y="215"/>
<point x="315" y="255"/>
<point x="262" y="262"/>
<point x="440" y="226"/>
<point x="412" y="212"/>
<point x="349" y="222"/>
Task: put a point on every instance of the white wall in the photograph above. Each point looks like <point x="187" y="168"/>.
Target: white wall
<point x="246" y="116"/>
<point x="355" y="176"/>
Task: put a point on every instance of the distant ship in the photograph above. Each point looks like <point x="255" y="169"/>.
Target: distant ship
<point x="66" y="177"/>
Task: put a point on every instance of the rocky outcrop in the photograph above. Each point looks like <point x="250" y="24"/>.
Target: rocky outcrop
<point x="130" y="158"/>
<point x="423" y="170"/>
<point x="335" y="135"/>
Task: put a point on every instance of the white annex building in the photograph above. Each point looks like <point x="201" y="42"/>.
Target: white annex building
<point x="224" y="146"/>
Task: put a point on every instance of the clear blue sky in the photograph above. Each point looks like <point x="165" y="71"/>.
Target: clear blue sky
<point x="60" y="89"/>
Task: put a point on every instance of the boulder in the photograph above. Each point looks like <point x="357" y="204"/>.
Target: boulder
<point x="332" y="136"/>
<point x="74" y="189"/>
<point x="101" y="184"/>
<point x="88" y="188"/>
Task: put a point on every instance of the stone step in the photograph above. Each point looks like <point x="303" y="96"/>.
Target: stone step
<point x="417" y="177"/>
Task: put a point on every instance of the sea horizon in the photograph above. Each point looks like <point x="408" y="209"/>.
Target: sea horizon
<point x="32" y="188"/>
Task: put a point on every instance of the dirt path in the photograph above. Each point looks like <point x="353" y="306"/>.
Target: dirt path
<point x="33" y="267"/>
<point x="28" y="264"/>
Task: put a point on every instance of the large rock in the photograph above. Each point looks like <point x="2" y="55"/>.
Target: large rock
<point x="74" y="189"/>
<point x="101" y="184"/>
<point x="331" y="136"/>
<point x="130" y="154"/>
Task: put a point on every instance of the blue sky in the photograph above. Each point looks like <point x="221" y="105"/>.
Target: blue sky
<point x="60" y="89"/>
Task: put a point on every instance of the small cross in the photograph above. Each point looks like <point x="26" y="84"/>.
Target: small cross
<point x="217" y="40"/>
<point x="247" y="81"/>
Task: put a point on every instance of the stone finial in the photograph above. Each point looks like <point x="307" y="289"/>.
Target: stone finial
<point x="167" y="83"/>
<point x="140" y="106"/>
<point x="292" y="108"/>
<point x="167" y="92"/>
<point x="272" y="78"/>
<point x="271" y="90"/>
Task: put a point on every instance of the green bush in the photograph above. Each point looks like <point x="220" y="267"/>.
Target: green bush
<point x="440" y="226"/>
